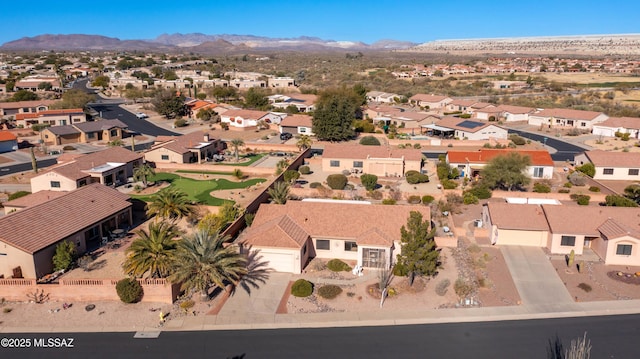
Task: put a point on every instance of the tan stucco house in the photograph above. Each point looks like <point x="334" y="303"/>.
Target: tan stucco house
<point x="195" y="147"/>
<point x="620" y="166"/>
<point x="470" y="163"/>
<point x="377" y="160"/>
<point x="288" y="236"/>
<point x="564" y="117"/>
<point x="104" y="130"/>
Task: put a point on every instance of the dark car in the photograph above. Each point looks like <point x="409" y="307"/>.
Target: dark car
<point x="285" y="136"/>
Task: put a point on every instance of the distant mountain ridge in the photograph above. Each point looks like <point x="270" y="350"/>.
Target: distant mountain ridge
<point x="194" y="42"/>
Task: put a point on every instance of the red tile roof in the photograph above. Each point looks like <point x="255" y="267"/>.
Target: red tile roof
<point x="538" y="158"/>
<point x="7" y="136"/>
<point x="63" y="216"/>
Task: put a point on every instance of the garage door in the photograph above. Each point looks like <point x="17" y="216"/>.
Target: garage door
<point x="280" y="262"/>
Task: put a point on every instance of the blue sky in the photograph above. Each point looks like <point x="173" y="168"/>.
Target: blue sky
<point x="366" y="21"/>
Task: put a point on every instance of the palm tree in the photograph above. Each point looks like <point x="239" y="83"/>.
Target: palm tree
<point x="237" y="142"/>
<point x="142" y="173"/>
<point x="202" y="261"/>
<point x="279" y="192"/>
<point x="152" y="253"/>
<point x="170" y="204"/>
<point x="304" y="142"/>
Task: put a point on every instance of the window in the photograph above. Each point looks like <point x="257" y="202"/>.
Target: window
<point x="334" y="163"/>
<point x="55" y="184"/>
<point x="323" y="244"/>
<point x="633" y="171"/>
<point x="304" y="250"/>
<point x="114" y="133"/>
<point x="358" y="164"/>
<point x="350" y="246"/>
<point x="607" y="171"/>
<point x="624" y="249"/>
<point x="165" y="157"/>
<point x="82" y="183"/>
<point x="302" y="129"/>
<point x="568" y="241"/>
<point x="91" y="135"/>
<point x="538" y="172"/>
<point x="583" y="124"/>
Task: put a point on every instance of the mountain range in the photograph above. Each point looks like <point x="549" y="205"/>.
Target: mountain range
<point x="194" y="42"/>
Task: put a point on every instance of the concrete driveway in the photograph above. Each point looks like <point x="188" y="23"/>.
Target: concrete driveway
<point x="536" y="279"/>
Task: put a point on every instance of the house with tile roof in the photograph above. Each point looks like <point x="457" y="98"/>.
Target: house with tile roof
<point x="62" y="117"/>
<point x="381" y="161"/>
<point x="462" y="128"/>
<point x="110" y="167"/>
<point x="564" y="117"/>
<point x="194" y="147"/>
<point x="302" y="102"/>
<point x="26" y="250"/>
<point x="613" y="233"/>
<point x="8" y="142"/>
<point x="381" y="97"/>
<point x="11" y="109"/>
<point x="621" y="166"/>
<point x="461" y="106"/>
<point x="511" y="113"/>
<point x="470" y="163"/>
<point x="430" y="102"/>
<point x="613" y="125"/>
<point x="297" y="125"/>
<point x="84" y="132"/>
<point x="248" y="119"/>
<point x="288" y="236"/>
<point x="30" y="200"/>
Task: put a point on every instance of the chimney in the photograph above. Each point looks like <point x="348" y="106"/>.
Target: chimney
<point x="206" y="137"/>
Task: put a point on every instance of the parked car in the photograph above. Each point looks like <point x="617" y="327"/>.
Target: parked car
<point x="141" y="115"/>
<point x="285" y="136"/>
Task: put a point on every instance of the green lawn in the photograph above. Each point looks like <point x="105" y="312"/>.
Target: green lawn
<point x="251" y="158"/>
<point x="198" y="190"/>
<point x="206" y="172"/>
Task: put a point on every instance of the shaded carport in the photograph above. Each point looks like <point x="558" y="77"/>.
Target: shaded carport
<point x="436" y="131"/>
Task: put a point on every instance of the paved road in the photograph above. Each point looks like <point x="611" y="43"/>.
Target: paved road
<point x="565" y="150"/>
<point x="611" y="337"/>
<point x="114" y="111"/>
<point x="22" y="167"/>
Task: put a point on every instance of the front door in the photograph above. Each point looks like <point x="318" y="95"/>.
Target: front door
<point x="373" y="257"/>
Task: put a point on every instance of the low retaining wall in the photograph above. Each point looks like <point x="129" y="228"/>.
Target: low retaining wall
<point x="155" y="290"/>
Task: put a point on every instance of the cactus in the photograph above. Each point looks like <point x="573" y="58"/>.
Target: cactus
<point x="572" y="257"/>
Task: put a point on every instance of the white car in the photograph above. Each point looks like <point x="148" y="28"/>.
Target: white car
<point x="141" y="115"/>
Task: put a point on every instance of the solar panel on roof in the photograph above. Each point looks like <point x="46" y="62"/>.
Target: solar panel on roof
<point x="470" y="124"/>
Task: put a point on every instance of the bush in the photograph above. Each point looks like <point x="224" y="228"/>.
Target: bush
<point x="337" y="265"/>
<point x="329" y="291"/>
<point x="520" y="141"/>
<point x="68" y="148"/>
<point x="337" y="181"/>
<point x="442" y="287"/>
<point x="581" y="199"/>
<point x="17" y="195"/>
<point x="389" y="201"/>
<point x="291" y="175"/>
<point x="541" y="188"/>
<point x="39" y="126"/>
<point x="187" y="304"/>
<point x="64" y="256"/>
<point x="469" y="198"/>
<point x="567" y="185"/>
<point x="315" y="185"/>
<point x="415" y="199"/>
<point x="588" y="168"/>
<point x="377" y="195"/>
<point x="369" y="181"/>
<point x="180" y="122"/>
<point x="415" y="178"/>
<point x="129" y="290"/>
<point x="564" y="190"/>
<point x="417" y="146"/>
<point x="301" y="288"/>
<point x="427" y="199"/>
<point x="305" y="170"/>
<point x="619" y="201"/>
<point x="400" y="270"/>
<point x="462" y="288"/>
<point x="584" y="286"/>
<point x="594" y="189"/>
<point x="481" y="191"/>
<point x="449" y="184"/>
<point x="369" y="141"/>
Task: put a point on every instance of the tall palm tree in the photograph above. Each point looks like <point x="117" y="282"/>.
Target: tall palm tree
<point x="171" y="204"/>
<point x="202" y="261"/>
<point x="279" y="192"/>
<point x="304" y="142"/>
<point x="237" y="142"/>
<point x="152" y="253"/>
<point x="142" y="173"/>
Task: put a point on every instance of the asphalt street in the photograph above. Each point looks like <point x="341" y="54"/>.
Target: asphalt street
<point x="610" y="336"/>
<point x="565" y="150"/>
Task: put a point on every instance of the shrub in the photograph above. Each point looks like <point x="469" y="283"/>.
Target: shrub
<point x="442" y="287"/>
<point x="337" y="181"/>
<point x="329" y="291"/>
<point x="469" y="198"/>
<point x="337" y="265"/>
<point x="68" y="148"/>
<point x="6" y="310"/>
<point x="129" y="290"/>
<point x="427" y="199"/>
<point x="584" y="286"/>
<point x="305" y="170"/>
<point x="39" y="126"/>
<point x="594" y="189"/>
<point x="301" y="288"/>
<point x="449" y="184"/>
<point x="541" y="188"/>
<point x="567" y="185"/>
<point x="520" y="141"/>
<point x="187" y="304"/>
<point x="588" y="168"/>
<point x="17" y="195"/>
<point x="564" y="190"/>
<point x="64" y="256"/>
<point x="389" y="201"/>
<point x="481" y="191"/>
<point x="180" y="122"/>
<point x="315" y="185"/>
<point x="462" y="288"/>
<point x="369" y="141"/>
<point x="291" y="175"/>
<point x="619" y="201"/>
<point x="415" y="199"/>
<point x="369" y="181"/>
<point x="400" y="270"/>
<point x="416" y="177"/>
<point x="377" y="195"/>
<point x="581" y="199"/>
